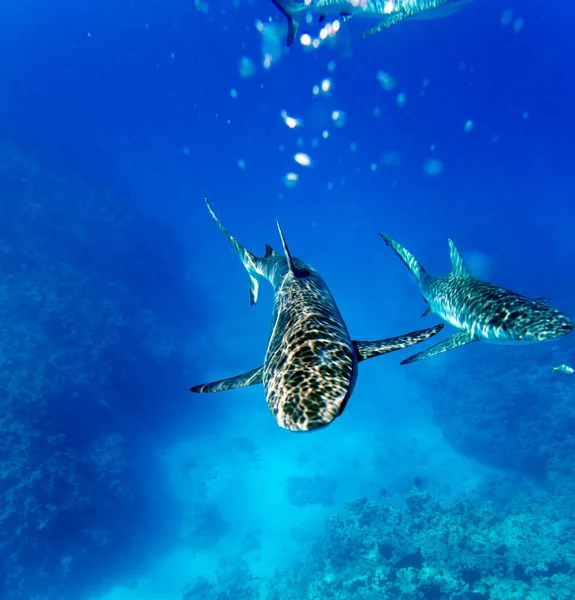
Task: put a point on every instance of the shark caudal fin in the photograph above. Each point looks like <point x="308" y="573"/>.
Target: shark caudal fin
<point x="408" y="259"/>
<point x="249" y="260"/>
<point x="292" y="24"/>
<point x="252" y="377"/>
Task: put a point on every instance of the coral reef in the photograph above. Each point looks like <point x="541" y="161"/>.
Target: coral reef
<point x="519" y="549"/>
<point x="234" y="581"/>
<point x="84" y="341"/>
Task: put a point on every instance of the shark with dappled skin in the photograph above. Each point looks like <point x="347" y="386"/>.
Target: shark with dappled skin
<point x="479" y="309"/>
<point x="310" y="366"/>
<point x="388" y="12"/>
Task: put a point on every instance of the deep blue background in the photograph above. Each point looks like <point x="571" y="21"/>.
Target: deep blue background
<point x="119" y="89"/>
<point x="117" y="99"/>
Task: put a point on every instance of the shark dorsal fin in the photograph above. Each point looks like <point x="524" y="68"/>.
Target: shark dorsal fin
<point x="459" y="269"/>
<point x="270" y="252"/>
<point x="294" y="271"/>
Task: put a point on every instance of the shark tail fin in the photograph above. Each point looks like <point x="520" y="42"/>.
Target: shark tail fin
<point x="293" y="269"/>
<point x="292" y="23"/>
<point x="251" y="262"/>
<point x="459" y="268"/>
<point x="408" y="259"/>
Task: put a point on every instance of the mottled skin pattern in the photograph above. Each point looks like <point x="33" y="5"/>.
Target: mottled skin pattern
<point x="391" y="11"/>
<point x="399" y="10"/>
<point x="492" y="313"/>
<point x="310" y="366"/>
<point x="479" y="309"/>
<point x="310" y="355"/>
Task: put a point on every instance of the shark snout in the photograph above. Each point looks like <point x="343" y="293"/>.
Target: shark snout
<point x="554" y="326"/>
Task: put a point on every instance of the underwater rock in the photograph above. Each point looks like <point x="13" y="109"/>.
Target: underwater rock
<point x="509" y="413"/>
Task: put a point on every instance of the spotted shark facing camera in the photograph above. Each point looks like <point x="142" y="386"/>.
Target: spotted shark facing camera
<point x="387" y="12"/>
<point x="479" y="309"/>
<point x="310" y="365"/>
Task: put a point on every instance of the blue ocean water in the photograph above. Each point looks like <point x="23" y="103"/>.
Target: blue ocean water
<point x="451" y="478"/>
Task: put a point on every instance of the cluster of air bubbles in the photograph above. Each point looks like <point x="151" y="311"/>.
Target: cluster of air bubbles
<point x="307" y="148"/>
<point x="290" y="179"/>
<point x="247" y="67"/>
<point x="271" y="35"/>
<point x="291" y="122"/>
<point x="432" y="167"/>
<point x="338" y="118"/>
<point x="326" y="33"/>
<point x="386" y="81"/>
<point x="302" y="159"/>
<point x="324" y="88"/>
<point x="507" y="19"/>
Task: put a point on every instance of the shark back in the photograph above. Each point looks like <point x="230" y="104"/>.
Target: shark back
<point x="310" y="365"/>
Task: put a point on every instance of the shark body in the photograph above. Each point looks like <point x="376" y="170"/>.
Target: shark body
<point x="389" y="12"/>
<point x="479" y="309"/>
<point x="310" y="365"/>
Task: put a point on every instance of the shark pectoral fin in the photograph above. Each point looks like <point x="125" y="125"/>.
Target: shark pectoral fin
<point x="385" y="24"/>
<point x="365" y="350"/>
<point x="427" y="311"/>
<point x="461" y="338"/>
<point x="440" y="11"/>
<point x="252" y="377"/>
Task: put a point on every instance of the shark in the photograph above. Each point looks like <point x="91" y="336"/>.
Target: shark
<point x="311" y="363"/>
<point x="480" y="310"/>
<point x="388" y="12"/>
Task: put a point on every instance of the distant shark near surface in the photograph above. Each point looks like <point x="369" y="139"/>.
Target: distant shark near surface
<point x="310" y="366"/>
<point x="389" y="12"/>
<point x="479" y="309"/>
